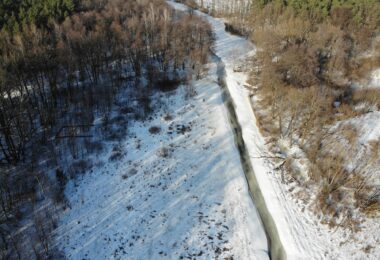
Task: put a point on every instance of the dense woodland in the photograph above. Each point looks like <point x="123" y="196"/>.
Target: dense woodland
<point x="16" y="14"/>
<point x="311" y="55"/>
<point x="64" y="64"/>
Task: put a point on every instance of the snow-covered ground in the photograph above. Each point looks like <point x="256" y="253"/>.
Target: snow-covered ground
<point x="368" y="132"/>
<point x="225" y="5"/>
<point x="179" y="193"/>
<point x="299" y="228"/>
<point x="375" y="79"/>
<point x="369" y="127"/>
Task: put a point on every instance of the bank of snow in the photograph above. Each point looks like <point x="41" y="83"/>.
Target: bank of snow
<point x="233" y="50"/>
<point x="300" y="230"/>
<point x="175" y="194"/>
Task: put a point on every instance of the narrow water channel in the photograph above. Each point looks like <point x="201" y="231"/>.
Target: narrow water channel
<point x="276" y="250"/>
<point x="227" y="52"/>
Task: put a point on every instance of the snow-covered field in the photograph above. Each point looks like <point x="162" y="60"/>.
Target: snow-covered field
<point x="300" y="230"/>
<point x="179" y="193"/>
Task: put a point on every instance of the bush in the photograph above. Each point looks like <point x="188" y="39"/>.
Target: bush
<point x="154" y="130"/>
<point x="79" y="167"/>
<point x="117" y="153"/>
<point x="164" y="152"/>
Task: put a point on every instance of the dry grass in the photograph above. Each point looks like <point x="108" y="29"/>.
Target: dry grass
<point x="364" y="66"/>
<point x="349" y="133"/>
<point x="368" y="201"/>
<point x="371" y="96"/>
<point x="361" y="69"/>
<point x="346" y="111"/>
<point x="374" y="149"/>
<point x="341" y="191"/>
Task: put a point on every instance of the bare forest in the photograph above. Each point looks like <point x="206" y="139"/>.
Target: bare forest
<point x="59" y="84"/>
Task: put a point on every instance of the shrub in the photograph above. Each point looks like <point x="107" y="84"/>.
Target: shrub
<point x="117" y="153"/>
<point x="154" y="130"/>
<point x="164" y="152"/>
<point x="79" y="167"/>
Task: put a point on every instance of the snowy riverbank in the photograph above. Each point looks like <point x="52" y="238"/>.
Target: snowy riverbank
<point x="299" y="228"/>
<point x="232" y="50"/>
<point x="178" y="190"/>
<point x="173" y="194"/>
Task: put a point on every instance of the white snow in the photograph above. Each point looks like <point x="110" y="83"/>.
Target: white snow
<point x="372" y="81"/>
<point x="368" y="125"/>
<point x="225" y="5"/>
<point x="375" y="79"/>
<point x="300" y="230"/>
<point x="368" y="131"/>
<point x="192" y="202"/>
<point x="232" y="49"/>
<point x="177" y="194"/>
